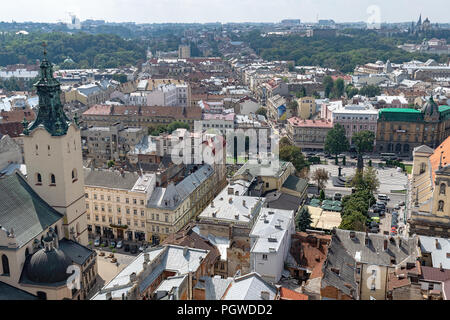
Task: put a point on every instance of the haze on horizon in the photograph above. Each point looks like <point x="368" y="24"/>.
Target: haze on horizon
<point x="201" y="11"/>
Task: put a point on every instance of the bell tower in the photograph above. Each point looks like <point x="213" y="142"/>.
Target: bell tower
<point x="52" y="148"/>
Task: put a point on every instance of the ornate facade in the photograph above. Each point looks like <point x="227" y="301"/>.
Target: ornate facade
<point x="429" y="204"/>
<point x="399" y="131"/>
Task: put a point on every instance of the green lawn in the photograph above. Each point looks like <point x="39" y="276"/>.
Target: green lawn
<point x="408" y="168"/>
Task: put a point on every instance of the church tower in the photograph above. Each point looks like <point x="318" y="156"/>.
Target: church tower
<point x="52" y="148"/>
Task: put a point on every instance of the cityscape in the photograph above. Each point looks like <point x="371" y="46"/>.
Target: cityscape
<point x="251" y="161"/>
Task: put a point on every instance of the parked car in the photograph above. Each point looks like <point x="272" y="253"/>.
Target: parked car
<point x="127" y="248"/>
<point x="119" y="244"/>
<point x="134" y="249"/>
<point x="97" y="242"/>
<point x="383" y="197"/>
<point x="112" y="244"/>
<point x="381" y="204"/>
<point x="374" y="230"/>
<point x="142" y="247"/>
<point x="401" y="204"/>
<point x="373" y="224"/>
<point x="382" y="213"/>
<point x="105" y="243"/>
<point x="337" y="196"/>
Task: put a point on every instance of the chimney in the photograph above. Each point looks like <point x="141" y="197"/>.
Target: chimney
<point x="437" y="244"/>
<point x="352" y="234"/>
<point x="133" y="277"/>
<point x="108" y="296"/>
<point x="146" y="257"/>
<point x="243" y="203"/>
<point x="185" y="250"/>
<point x="265" y="295"/>
<point x="366" y="239"/>
<point x="385" y="244"/>
<point x="230" y="200"/>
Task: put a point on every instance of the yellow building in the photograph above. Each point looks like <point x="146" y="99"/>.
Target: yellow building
<point x="271" y="176"/>
<point x="429" y="203"/>
<point x="171" y="208"/>
<point x="116" y="203"/>
<point x="306" y="107"/>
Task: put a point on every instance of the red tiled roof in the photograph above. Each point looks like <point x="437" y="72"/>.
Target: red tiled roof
<point x="297" y="122"/>
<point x="306" y="253"/>
<point x="98" y="110"/>
<point x="17" y="115"/>
<point x="435" y="274"/>
<point x="288" y="294"/>
<point x="12" y="129"/>
<point x="194" y="113"/>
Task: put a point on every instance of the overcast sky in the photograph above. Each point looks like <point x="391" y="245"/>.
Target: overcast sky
<point x="157" y="11"/>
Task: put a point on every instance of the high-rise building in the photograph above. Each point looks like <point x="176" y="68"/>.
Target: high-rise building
<point x="184" y="52"/>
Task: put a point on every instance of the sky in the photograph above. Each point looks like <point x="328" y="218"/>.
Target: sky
<point x="159" y="11"/>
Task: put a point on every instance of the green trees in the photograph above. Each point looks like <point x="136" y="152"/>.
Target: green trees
<point x="336" y="142"/>
<point x="303" y="220"/>
<point x="321" y="177"/>
<point x="366" y="180"/>
<point x="328" y="85"/>
<point x="370" y="91"/>
<point x="363" y="141"/>
<point x="85" y="50"/>
<point x="338" y="88"/>
<point x="343" y="53"/>
<point x="262" y="111"/>
<point x="355" y="210"/>
<point x="156" y="131"/>
<point x="294" y="155"/>
<point x="351" y="91"/>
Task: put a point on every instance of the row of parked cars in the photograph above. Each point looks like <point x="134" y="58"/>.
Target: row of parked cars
<point x="119" y="245"/>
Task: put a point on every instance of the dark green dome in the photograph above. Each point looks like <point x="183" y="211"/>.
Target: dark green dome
<point x="48" y="266"/>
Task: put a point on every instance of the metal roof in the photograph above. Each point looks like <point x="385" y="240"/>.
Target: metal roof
<point x="23" y="210"/>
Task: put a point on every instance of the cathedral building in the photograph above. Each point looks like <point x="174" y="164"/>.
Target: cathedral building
<point x="43" y="228"/>
<point x="429" y="202"/>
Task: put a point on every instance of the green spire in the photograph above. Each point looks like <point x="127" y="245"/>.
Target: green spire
<point x="51" y="112"/>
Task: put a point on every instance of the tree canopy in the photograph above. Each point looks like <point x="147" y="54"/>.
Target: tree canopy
<point x="84" y="50"/>
<point x="303" y="220"/>
<point x="294" y="155"/>
<point x="363" y="142"/>
<point x="336" y="142"/>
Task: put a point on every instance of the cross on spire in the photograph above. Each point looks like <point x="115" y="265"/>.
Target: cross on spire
<point x="44" y="45"/>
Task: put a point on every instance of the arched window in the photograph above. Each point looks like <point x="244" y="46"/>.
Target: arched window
<point x="5" y="265"/>
<point x="398" y="147"/>
<point x="441" y="205"/>
<point x="442" y="188"/>
<point x="56" y="230"/>
<point x="37" y="150"/>
<point x="48" y="147"/>
<point x="38" y="178"/>
<point x="423" y="167"/>
<point x="74" y="175"/>
<point x="52" y="179"/>
<point x="406" y="148"/>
